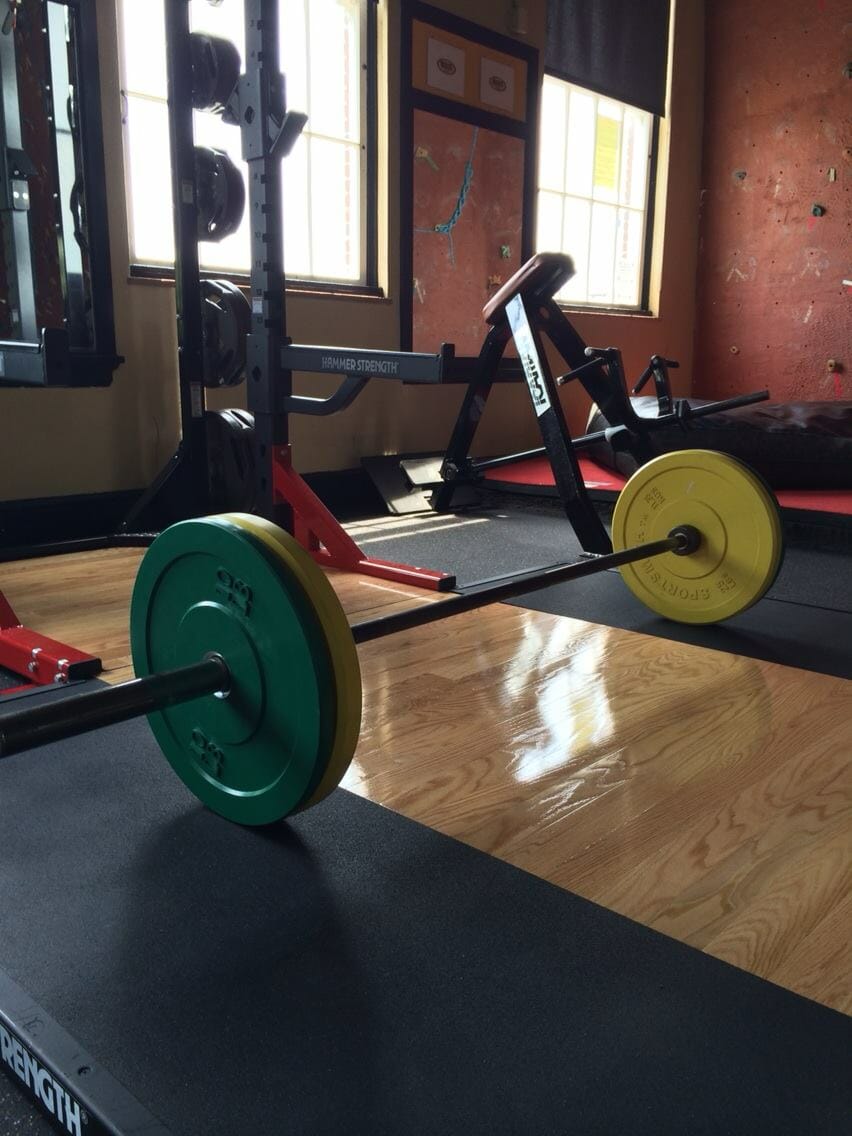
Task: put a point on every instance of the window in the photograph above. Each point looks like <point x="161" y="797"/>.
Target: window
<point x="325" y="55"/>
<point x="593" y="189"/>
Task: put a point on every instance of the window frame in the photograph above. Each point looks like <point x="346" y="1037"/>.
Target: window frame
<point x="368" y="286"/>
<point x="643" y="307"/>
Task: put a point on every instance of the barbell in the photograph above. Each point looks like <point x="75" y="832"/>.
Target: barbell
<point x="247" y="664"/>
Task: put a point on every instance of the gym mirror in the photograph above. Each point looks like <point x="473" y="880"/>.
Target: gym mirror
<point x="56" y="317"/>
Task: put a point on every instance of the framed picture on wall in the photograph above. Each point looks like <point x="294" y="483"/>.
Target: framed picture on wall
<point x="469" y="117"/>
<point x="497" y="87"/>
<point x="445" y="67"/>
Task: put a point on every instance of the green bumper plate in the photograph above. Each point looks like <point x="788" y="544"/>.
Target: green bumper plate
<point x="255" y="754"/>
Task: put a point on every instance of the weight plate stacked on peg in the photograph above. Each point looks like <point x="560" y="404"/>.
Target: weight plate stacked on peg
<point x="216" y="66"/>
<point x="260" y="751"/>
<point x="220" y="194"/>
<point x="741" y="540"/>
<point x="225" y="327"/>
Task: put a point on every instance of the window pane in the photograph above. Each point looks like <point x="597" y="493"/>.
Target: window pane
<point x="297" y="227"/>
<point x="294" y="54"/>
<point x="320" y="43"/>
<point x="628" y="257"/>
<point x="335" y="209"/>
<point x="551" y="151"/>
<point x="601" y="254"/>
<point x="607" y="151"/>
<point x="609" y="108"/>
<point x="549" y="224"/>
<point x="227" y="21"/>
<point x="335" y="91"/>
<point x="598" y="215"/>
<point x="150" y="198"/>
<point x="634" y="158"/>
<point x="575" y="241"/>
<point x="143" y="26"/>
<point x="580" y="144"/>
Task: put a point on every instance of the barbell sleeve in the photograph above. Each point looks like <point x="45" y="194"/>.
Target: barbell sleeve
<point x="63" y="718"/>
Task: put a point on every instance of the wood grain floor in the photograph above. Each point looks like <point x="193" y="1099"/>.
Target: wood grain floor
<point x="703" y="794"/>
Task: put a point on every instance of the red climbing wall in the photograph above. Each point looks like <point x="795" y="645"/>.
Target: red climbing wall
<point x="453" y="279"/>
<point x="772" y="306"/>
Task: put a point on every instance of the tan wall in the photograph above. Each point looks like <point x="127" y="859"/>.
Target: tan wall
<point x="118" y="438"/>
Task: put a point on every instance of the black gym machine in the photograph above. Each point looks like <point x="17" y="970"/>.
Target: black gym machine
<point x="525" y="310"/>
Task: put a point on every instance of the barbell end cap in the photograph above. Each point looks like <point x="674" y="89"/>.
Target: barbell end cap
<point x="688" y="538"/>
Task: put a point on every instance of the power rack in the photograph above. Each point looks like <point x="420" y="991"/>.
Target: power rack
<point x="257" y="106"/>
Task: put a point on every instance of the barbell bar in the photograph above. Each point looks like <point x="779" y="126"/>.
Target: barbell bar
<point x="78" y="714"/>
<point x="247" y="664"/>
<point x="682" y="541"/>
<point x="93" y="710"/>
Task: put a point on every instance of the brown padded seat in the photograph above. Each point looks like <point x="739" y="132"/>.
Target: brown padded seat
<point x="538" y="279"/>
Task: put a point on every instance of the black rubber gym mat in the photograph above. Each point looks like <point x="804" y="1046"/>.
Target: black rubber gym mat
<point x="804" y="621"/>
<point x="355" y="972"/>
<point x="9" y="680"/>
<point x="13" y="687"/>
<point x="479" y="544"/>
<point x="795" y="635"/>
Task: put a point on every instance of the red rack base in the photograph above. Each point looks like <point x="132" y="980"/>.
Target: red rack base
<point x="40" y="660"/>
<point x="322" y="535"/>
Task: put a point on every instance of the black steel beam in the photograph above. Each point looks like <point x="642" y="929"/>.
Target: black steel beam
<point x="544" y="395"/>
<point x="413" y="367"/>
<point x="261" y="103"/>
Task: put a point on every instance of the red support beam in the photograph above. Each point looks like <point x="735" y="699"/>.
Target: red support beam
<point x="7" y="615"/>
<point x="323" y="536"/>
<point x="42" y="661"/>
